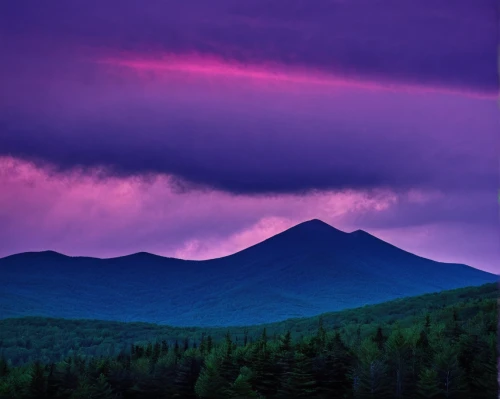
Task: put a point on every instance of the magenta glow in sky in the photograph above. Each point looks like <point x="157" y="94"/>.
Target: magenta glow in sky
<point x="195" y="131"/>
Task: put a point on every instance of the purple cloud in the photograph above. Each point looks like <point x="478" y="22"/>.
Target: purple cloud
<point x="445" y="43"/>
<point x="79" y="214"/>
<point x="292" y="136"/>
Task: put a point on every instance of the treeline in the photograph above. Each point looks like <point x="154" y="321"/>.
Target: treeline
<point x="448" y="352"/>
<point x="25" y="340"/>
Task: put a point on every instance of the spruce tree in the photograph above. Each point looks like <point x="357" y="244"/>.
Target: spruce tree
<point x="398" y="353"/>
<point x="38" y="384"/>
<point x="187" y="373"/>
<point x="449" y="373"/>
<point x="210" y="383"/>
<point x="371" y="371"/>
<point x="4" y="368"/>
<point x="300" y="381"/>
<point x="52" y="382"/>
<point x="101" y="389"/>
<point x="156" y="352"/>
<point x="83" y="390"/>
<point x="242" y="387"/>
<point x="265" y="378"/>
<point x="209" y="344"/>
<point x="428" y="384"/>
<point x="164" y="347"/>
<point x="379" y="338"/>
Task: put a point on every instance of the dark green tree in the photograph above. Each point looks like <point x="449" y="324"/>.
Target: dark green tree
<point x="210" y="384"/>
<point x="242" y="387"/>
<point x="101" y="389"/>
<point x="38" y="385"/>
<point x="188" y="370"/>
<point x="379" y="338"/>
<point x="299" y="382"/>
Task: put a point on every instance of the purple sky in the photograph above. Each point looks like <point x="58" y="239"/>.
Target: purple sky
<point x="195" y="129"/>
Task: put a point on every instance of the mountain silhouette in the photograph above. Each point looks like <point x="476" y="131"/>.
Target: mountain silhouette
<point x="308" y="269"/>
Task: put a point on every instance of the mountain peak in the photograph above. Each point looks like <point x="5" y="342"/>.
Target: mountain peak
<point x="314" y="223"/>
<point x="359" y="232"/>
<point x="312" y="229"/>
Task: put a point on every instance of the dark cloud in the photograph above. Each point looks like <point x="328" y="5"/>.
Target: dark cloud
<point x="256" y="142"/>
<point x="434" y="42"/>
<point x="427" y="208"/>
<point x="58" y="106"/>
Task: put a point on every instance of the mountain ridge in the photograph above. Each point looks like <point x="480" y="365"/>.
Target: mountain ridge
<point x="305" y="270"/>
<point x="309" y="225"/>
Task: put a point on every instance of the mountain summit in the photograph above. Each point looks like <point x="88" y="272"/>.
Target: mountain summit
<point x="303" y="271"/>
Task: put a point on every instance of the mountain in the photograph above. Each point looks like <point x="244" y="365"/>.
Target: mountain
<point x="306" y="270"/>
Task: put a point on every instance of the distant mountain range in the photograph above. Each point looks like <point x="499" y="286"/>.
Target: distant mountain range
<point x="308" y="269"/>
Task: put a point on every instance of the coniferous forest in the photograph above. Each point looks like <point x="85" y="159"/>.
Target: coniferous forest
<point x="433" y="346"/>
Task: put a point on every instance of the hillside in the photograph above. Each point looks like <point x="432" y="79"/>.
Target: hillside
<point x="309" y="269"/>
<point x="50" y="339"/>
<point x="351" y="353"/>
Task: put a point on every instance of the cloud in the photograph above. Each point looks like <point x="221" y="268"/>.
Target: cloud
<point x="229" y="132"/>
<point x="80" y="214"/>
<point x="445" y="43"/>
<point x="292" y="98"/>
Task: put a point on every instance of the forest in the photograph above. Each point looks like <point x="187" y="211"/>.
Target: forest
<point x="441" y="345"/>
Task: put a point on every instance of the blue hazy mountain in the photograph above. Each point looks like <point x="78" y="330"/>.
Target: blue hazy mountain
<point x="306" y="270"/>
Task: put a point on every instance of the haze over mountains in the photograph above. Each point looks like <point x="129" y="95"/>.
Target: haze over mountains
<point x="306" y="270"/>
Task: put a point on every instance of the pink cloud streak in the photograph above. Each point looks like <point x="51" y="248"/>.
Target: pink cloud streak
<point x="164" y="66"/>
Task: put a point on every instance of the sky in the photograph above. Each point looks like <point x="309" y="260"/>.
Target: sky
<point x="195" y="129"/>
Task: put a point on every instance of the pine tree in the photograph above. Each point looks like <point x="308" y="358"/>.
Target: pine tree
<point x="203" y="345"/>
<point x="187" y="373"/>
<point x="242" y="388"/>
<point x="379" y="338"/>
<point x="428" y="384"/>
<point x="339" y="362"/>
<point x="227" y="369"/>
<point x="479" y="364"/>
<point x="52" y="382"/>
<point x="398" y="353"/>
<point x="210" y="383"/>
<point x="83" y="390"/>
<point x="101" y="389"/>
<point x="245" y="337"/>
<point x="67" y="374"/>
<point x="321" y="334"/>
<point x="209" y="344"/>
<point x="427" y="324"/>
<point x="285" y="344"/>
<point x="300" y="381"/>
<point x="38" y="384"/>
<point x="4" y="368"/>
<point x="149" y="350"/>
<point x="263" y="339"/>
<point x="164" y="347"/>
<point x="370" y="372"/>
<point x="265" y="377"/>
<point x="449" y="373"/>
<point x="156" y="352"/>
